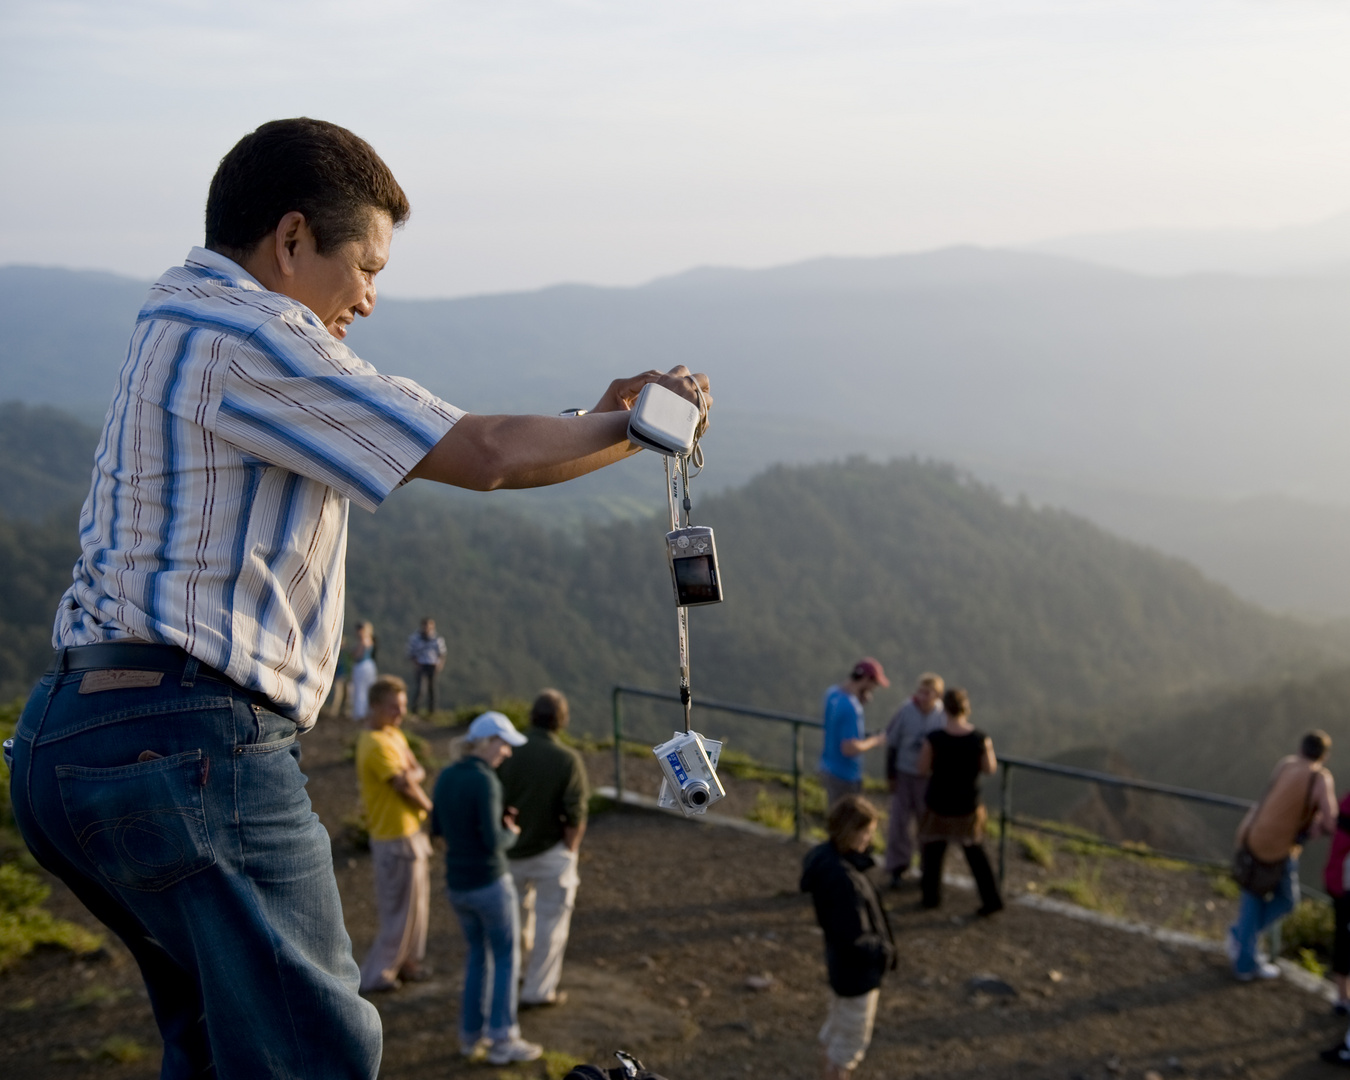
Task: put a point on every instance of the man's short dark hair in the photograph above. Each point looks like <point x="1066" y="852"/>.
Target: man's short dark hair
<point x="549" y="710"/>
<point x="1315" y="746"/>
<point x="323" y="171"/>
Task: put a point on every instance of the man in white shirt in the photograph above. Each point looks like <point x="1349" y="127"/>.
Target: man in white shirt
<point x="155" y="765"/>
<point x="910" y="725"/>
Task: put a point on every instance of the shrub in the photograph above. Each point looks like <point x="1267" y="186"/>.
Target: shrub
<point x="25" y="924"/>
<point x="1309" y="927"/>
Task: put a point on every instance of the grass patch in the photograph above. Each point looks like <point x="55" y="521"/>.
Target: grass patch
<point x="775" y="813"/>
<point x="122" y="1050"/>
<point x="599" y="804"/>
<point x="25" y="923"/>
<point x="557" y="1064"/>
<point x="1036" y="850"/>
<point x="517" y="710"/>
<point x="1085" y="890"/>
<point x="96" y="996"/>
<point x="1308" y="960"/>
<point x="1223" y="885"/>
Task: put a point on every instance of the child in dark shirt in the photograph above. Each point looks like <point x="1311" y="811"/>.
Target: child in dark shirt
<point x="859" y="948"/>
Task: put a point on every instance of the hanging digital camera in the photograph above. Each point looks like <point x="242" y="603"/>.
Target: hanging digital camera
<point x="689" y="773"/>
<point x="693" y="566"/>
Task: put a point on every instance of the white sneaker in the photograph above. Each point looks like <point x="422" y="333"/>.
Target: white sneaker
<point x="1263" y="970"/>
<point x="507" y="1051"/>
<point x="473" y="1049"/>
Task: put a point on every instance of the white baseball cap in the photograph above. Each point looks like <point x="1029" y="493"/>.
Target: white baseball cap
<point x="488" y="724"/>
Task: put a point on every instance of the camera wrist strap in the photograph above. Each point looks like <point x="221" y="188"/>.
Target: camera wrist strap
<point x="676" y="478"/>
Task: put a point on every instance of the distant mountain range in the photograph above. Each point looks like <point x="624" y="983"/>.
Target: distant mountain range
<point x="1315" y="248"/>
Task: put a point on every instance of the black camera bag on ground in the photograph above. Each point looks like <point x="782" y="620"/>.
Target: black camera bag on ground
<point x="630" y="1068"/>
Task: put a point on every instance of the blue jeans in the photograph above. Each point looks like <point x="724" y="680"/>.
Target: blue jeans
<point x="1255" y="913"/>
<point x="178" y="815"/>
<point x="490" y="919"/>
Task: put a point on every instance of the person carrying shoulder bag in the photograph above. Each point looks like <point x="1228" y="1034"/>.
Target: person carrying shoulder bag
<point x="1299" y="802"/>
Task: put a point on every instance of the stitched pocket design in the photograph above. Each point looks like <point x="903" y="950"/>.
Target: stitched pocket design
<point x="142" y="825"/>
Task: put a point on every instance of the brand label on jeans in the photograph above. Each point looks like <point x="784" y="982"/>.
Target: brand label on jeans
<point x="95" y="682"/>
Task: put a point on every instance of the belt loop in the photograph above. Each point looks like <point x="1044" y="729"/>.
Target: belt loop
<point x="61" y="660"/>
<point x="190" y="672"/>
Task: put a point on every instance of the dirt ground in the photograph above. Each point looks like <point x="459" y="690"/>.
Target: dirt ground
<point x="673" y="918"/>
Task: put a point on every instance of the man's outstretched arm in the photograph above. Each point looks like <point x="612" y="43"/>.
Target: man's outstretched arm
<point x="484" y="452"/>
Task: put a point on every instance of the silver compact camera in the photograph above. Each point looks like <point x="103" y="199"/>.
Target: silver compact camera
<point x="693" y="566"/>
<point x="689" y="773"/>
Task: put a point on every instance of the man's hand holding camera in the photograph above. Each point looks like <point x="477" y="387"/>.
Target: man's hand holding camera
<point x="483" y="452"/>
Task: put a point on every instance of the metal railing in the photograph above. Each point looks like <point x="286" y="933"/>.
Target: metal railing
<point x="1007" y="764"/>
<point x="797" y="722"/>
<point x="1007" y="818"/>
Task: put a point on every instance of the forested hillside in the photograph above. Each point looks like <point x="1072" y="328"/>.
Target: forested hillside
<point x="1234" y="738"/>
<point x="1044" y="617"/>
<point x="1053" y="624"/>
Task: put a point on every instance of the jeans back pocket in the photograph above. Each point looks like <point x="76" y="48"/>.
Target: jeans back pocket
<point x="142" y="826"/>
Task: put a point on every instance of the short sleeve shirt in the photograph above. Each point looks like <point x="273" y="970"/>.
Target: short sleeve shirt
<point x="843" y="720"/>
<point x="380" y="756"/>
<point x="238" y="434"/>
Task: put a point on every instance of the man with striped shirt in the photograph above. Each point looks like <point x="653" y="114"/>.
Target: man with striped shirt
<point x="155" y="767"/>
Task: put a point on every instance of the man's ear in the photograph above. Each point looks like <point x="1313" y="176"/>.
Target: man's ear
<point x="291" y="233"/>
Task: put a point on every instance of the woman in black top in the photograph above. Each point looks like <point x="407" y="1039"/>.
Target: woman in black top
<point x="953" y="758"/>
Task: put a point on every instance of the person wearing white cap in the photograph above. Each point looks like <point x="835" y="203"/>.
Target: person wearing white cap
<point x="467" y="811"/>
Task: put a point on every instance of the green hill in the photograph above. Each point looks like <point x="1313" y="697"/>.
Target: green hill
<point x="1234" y="738"/>
<point x="1050" y="622"/>
<point x="1045" y="618"/>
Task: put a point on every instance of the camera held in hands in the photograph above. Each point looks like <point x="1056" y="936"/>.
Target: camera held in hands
<point x="689" y="773"/>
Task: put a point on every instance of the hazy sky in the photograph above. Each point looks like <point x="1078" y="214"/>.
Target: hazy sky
<point x="612" y="141"/>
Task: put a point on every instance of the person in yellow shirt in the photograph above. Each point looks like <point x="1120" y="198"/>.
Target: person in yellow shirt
<point x="396" y="805"/>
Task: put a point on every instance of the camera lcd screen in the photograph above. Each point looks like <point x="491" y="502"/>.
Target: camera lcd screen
<point x="696" y="581"/>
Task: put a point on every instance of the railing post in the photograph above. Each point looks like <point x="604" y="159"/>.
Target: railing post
<point x="797" y="782"/>
<point x="618" y="747"/>
<point x="1005" y="812"/>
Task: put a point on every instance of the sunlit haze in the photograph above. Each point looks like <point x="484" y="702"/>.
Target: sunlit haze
<point x="611" y="142"/>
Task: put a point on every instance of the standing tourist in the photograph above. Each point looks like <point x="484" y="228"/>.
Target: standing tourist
<point x="546" y="782"/>
<point x="953" y="758"/>
<point x="156" y="768"/>
<point x="364" y="671"/>
<point x="1299" y="802"/>
<point x="478" y="831"/>
<point x="390" y="778"/>
<point x="859" y="948"/>
<point x="1336" y="880"/>
<point x="845" y="738"/>
<point x="905" y="735"/>
<point x="427" y="652"/>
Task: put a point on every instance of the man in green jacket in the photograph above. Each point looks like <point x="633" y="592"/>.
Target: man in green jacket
<point x="546" y="782"/>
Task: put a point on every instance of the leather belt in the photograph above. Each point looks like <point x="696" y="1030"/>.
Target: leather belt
<point x="132" y="655"/>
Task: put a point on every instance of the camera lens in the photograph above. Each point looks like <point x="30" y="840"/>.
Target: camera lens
<point x="697" y="793"/>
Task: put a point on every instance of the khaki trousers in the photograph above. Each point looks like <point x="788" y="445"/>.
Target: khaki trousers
<point x="403" y="904"/>
<point x="848" y="1028"/>
<point x="547" y="884"/>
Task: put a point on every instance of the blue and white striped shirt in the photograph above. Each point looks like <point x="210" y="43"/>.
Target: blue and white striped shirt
<point x="217" y="514"/>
